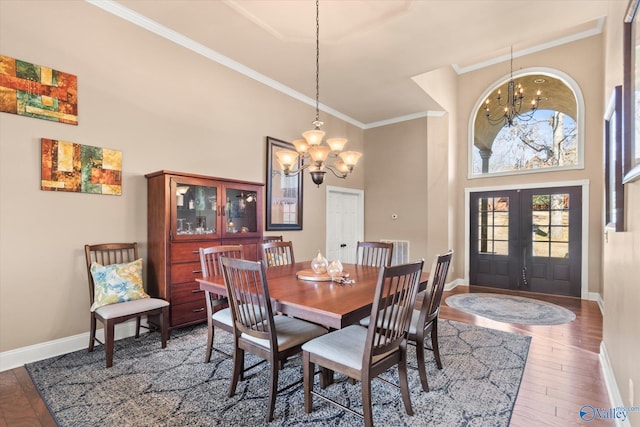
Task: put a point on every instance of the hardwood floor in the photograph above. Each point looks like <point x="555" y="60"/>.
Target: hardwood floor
<point x="562" y="374"/>
<point x="563" y="370"/>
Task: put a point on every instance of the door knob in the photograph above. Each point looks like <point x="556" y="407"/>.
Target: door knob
<point x="344" y="245"/>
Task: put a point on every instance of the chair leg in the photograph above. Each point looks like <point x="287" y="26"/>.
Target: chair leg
<point x="367" y="410"/>
<point x="138" y="327"/>
<point x="92" y="333"/>
<point x="108" y="341"/>
<point x="404" y="383"/>
<point x="308" y="369"/>
<point x="327" y="377"/>
<point x="434" y="343"/>
<point x="273" y="391"/>
<point x="238" y="367"/>
<point x="210" y="336"/>
<point x="164" y="326"/>
<point x="422" y="370"/>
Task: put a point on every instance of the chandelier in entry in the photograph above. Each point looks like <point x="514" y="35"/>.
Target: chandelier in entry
<point x="512" y="105"/>
<point x="315" y="155"/>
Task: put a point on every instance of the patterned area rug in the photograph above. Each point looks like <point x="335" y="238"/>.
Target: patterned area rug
<point x="148" y="386"/>
<point x="511" y="309"/>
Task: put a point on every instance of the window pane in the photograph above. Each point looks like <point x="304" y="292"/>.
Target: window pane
<point x="560" y="234"/>
<point x="485" y="246"/>
<point x="501" y="247"/>
<point x="485" y="233"/>
<point x="560" y="201"/>
<point x="501" y="218"/>
<point x="560" y="250"/>
<point x="540" y="249"/>
<point x="501" y="233"/>
<point x="501" y="204"/>
<point x="540" y="202"/>
<point x="540" y="233"/>
<point x="483" y="204"/>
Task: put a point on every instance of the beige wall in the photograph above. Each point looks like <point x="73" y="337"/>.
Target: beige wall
<point x="164" y="107"/>
<point x="407" y="174"/>
<point x="621" y="288"/>
<point x="396" y="183"/>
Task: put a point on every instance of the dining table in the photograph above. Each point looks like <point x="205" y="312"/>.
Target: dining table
<point x="332" y="304"/>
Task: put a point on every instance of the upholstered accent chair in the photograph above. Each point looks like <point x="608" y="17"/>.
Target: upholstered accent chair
<point x="116" y="293"/>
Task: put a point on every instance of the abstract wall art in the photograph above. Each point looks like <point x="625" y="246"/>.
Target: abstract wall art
<point x="32" y="90"/>
<point x="80" y="168"/>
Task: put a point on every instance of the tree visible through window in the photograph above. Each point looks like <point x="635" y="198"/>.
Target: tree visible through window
<point x="548" y="140"/>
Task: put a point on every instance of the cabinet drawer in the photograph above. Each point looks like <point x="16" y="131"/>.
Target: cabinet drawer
<point x="188" y="312"/>
<point x="183" y="292"/>
<point x="185" y="252"/>
<point x="187" y="272"/>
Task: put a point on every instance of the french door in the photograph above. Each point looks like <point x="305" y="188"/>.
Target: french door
<point x="529" y="239"/>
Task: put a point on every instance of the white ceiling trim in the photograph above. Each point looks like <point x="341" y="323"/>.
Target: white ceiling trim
<point x="171" y="35"/>
<point x="597" y="29"/>
<point x="404" y="118"/>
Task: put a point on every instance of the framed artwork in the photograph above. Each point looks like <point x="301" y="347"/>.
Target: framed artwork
<point x="631" y="94"/>
<point x="614" y="191"/>
<point x="32" y="90"/>
<point x="284" y="193"/>
<point x="80" y="168"/>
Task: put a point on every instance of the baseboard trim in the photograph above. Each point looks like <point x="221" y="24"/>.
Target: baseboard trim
<point x="612" y="385"/>
<point x="32" y="353"/>
<point x="457" y="282"/>
<point x="595" y="296"/>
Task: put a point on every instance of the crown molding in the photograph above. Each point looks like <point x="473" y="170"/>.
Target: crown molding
<point x="595" y="30"/>
<point x="181" y="40"/>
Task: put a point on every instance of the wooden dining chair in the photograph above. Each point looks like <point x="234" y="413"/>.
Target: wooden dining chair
<point x="210" y="263"/>
<point x="364" y="353"/>
<point x="118" y="295"/>
<point x="424" y="320"/>
<point x="376" y="254"/>
<point x="267" y="239"/>
<point x="256" y="329"/>
<point x="278" y="253"/>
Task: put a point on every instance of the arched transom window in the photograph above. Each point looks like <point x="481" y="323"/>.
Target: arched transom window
<point x="548" y="138"/>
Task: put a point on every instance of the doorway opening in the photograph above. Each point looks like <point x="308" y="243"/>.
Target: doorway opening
<point x="345" y="223"/>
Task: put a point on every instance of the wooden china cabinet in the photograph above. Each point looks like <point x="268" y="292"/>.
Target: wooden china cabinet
<point x="186" y="212"/>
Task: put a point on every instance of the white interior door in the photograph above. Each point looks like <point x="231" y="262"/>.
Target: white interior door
<point x="345" y="223"/>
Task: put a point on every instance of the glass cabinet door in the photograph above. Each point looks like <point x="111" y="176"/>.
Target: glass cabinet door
<point x="195" y="209"/>
<point x="240" y="210"/>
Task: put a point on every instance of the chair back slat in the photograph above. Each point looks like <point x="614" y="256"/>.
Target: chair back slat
<point x="392" y="308"/>
<point x="376" y="254"/>
<point x="210" y="258"/>
<point x="108" y="254"/>
<point x="435" y="287"/>
<point x="248" y="294"/>
<point x="267" y="239"/>
<point x="278" y="253"/>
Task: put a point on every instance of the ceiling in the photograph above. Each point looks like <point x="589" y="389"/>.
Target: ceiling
<point x="370" y="50"/>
